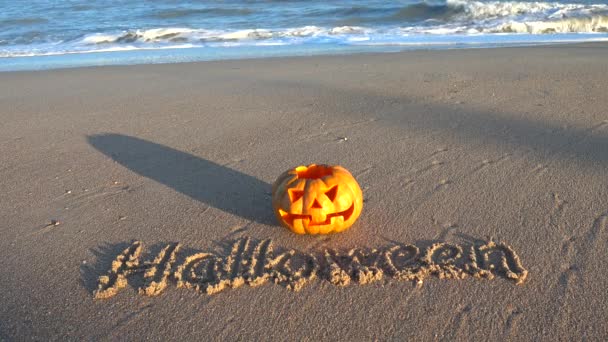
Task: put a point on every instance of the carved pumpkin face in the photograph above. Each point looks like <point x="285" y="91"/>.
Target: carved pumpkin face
<point x="317" y="199"/>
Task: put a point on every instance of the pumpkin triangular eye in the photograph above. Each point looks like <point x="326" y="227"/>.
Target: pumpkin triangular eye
<point x="332" y="193"/>
<point x="295" y="194"/>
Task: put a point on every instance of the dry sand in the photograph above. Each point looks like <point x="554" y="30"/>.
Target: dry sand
<point x="459" y="146"/>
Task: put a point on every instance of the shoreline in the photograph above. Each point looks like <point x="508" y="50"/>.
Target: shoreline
<point x="388" y="49"/>
<point x="456" y="147"/>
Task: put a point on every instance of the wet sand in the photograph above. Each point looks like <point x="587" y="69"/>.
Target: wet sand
<point x="459" y="148"/>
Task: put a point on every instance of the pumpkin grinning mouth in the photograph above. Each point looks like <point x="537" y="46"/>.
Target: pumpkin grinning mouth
<point x="289" y="218"/>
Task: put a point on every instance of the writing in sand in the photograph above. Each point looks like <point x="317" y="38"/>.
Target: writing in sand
<point x="254" y="262"/>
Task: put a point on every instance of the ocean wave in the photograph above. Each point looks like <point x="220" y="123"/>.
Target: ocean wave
<point x="495" y="9"/>
<point x="451" y="10"/>
<point x="418" y="23"/>
<point x="143" y="36"/>
<point x="159" y="36"/>
<point x="472" y="17"/>
<point x="172" y="35"/>
<point x="478" y="14"/>
<point x="427" y="11"/>
<point x="596" y="24"/>
<point x="478" y="10"/>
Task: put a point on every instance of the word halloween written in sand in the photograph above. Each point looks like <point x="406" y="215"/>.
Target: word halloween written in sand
<point x="255" y="262"/>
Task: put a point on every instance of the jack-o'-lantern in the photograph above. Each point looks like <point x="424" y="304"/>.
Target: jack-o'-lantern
<point x="317" y="199"/>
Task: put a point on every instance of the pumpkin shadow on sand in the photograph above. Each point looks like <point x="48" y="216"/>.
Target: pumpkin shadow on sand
<point x="203" y="180"/>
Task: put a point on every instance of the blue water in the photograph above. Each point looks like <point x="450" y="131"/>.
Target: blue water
<point x="40" y="34"/>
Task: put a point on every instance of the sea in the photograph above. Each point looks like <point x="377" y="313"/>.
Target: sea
<point x="45" y="34"/>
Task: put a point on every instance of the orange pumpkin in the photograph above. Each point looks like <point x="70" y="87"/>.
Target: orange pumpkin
<point x="317" y="199"/>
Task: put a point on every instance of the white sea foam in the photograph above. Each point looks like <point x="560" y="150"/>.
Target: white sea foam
<point x="568" y="25"/>
<point x="491" y="10"/>
<point x="536" y="17"/>
<point x="83" y="51"/>
<point x="167" y="35"/>
<point x="485" y="10"/>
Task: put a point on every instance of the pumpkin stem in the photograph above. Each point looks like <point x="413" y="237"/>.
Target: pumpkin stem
<point x="313" y="171"/>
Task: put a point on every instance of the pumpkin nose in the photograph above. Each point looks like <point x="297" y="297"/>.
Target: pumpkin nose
<point x="316" y="204"/>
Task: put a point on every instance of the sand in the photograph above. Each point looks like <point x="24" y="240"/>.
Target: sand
<point x="498" y="156"/>
<point x="254" y="262"/>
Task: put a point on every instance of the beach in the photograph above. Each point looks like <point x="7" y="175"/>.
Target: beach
<point x="449" y="146"/>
